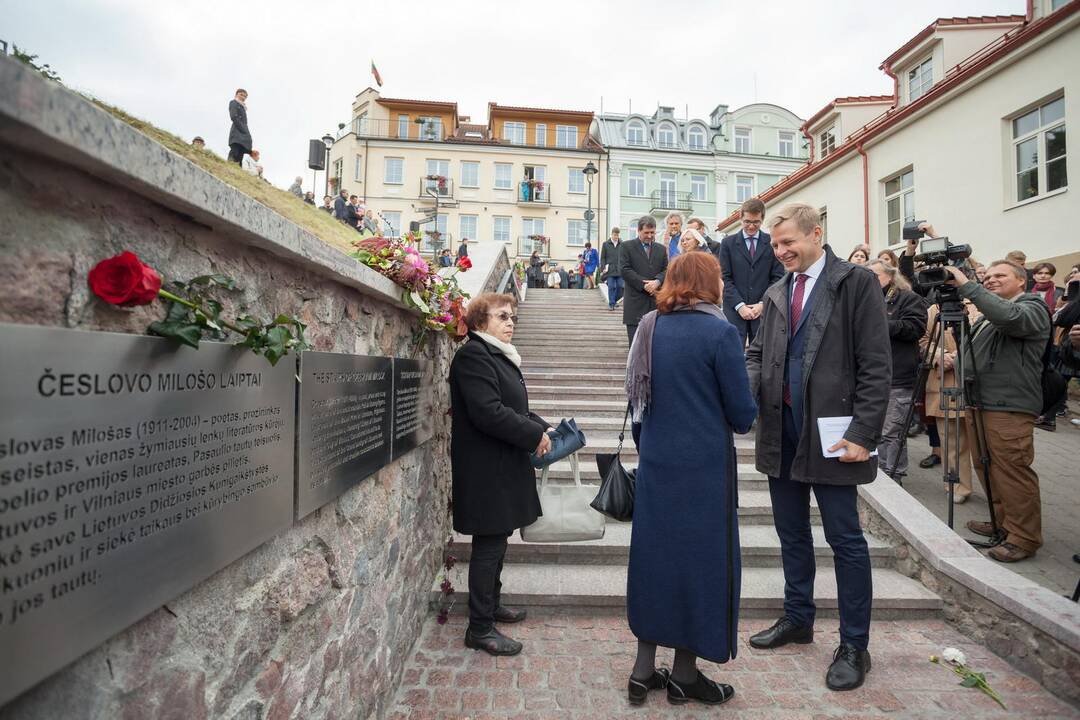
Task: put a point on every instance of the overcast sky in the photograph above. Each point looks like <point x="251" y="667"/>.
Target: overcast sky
<point x="177" y="64"/>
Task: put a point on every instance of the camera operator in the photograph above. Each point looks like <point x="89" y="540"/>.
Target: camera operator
<point x="1067" y="335"/>
<point x="1005" y="352"/>
<point x="906" y="262"/>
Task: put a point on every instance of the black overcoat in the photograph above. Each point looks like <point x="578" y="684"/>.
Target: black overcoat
<point x="238" y="131"/>
<point x="492" y="435"/>
<point x="636" y="269"/>
<point x="746" y="279"/>
<point x="846" y="371"/>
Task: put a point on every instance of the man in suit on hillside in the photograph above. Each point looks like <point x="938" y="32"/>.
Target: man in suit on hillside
<point x="749" y="267"/>
<point x="642" y="264"/>
<point x="239" y="135"/>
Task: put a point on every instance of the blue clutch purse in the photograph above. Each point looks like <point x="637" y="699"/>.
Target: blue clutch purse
<point x="566" y="439"/>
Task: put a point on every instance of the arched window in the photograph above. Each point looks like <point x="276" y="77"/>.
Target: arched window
<point x="635" y="133"/>
<point x="665" y="135"/>
<point x="695" y="137"/>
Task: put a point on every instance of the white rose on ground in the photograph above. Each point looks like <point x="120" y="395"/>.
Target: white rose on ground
<point x="954" y="656"/>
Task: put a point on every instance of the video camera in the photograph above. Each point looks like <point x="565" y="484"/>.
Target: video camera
<point x="934" y="254"/>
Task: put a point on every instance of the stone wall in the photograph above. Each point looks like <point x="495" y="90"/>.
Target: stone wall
<point x="316" y="622"/>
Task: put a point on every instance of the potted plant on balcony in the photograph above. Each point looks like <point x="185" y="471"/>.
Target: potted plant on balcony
<point x="537" y="185"/>
<point x="439" y="180"/>
<point x="539" y="242"/>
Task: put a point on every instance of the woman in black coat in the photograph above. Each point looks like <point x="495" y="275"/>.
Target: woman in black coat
<point x="492" y="435"/>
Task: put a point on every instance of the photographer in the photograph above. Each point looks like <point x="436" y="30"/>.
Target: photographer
<point x="1005" y="353"/>
<point x="1067" y="336"/>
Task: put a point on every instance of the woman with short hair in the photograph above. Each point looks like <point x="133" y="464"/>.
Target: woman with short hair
<point x="494" y="484"/>
<point x="688" y="386"/>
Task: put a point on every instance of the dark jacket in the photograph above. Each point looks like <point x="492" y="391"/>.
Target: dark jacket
<point x="845" y="370"/>
<point x="1006" y="349"/>
<point x="906" y="264"/>
<point x="746" y="279"/>
<point x="492" y="435"/>
<point x="609" y="258"/>
<point x="907" y="314"/>
<point x="238" y="132"/>
<point x="340" y="204"/>
<point x="351" y="216"/>
<point x="636" y="269"/>
<point x="463" y="250"/>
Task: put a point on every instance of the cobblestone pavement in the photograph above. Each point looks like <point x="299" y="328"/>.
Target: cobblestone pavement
<point x="1057" y="461"/>
<point x="576" y="667"/>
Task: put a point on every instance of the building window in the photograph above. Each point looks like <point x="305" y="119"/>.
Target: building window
<point x="501" y="228"/>
<point x="431" y="243"/>
<point x="668" y="186"/>
<point x="338" y="169"/>
<point x="358" y="169"/>
<point x="1039" y="150"/>
<point x="566" y="136"/>
<point x="360" y="124"/>
<point x="403" y="126"/>
<point x="665" y="135"/>
<point x="395" y="171"/>
<point x="514" y="133"/>
<point x="438" y="168"/>
<point x="391" y="223"/>
<point x="744" y="188"/>
<point x="532" y="227"/>
<point x="577" y="181"/>
<point x="635" y="133"/>
<point x="577" y="233"/>
<point x="431" y="128"/>
<point x="742" y="140"/>
<point x="787" y="144"/>
<point x="920" y="79"/>
<point x="503" y="177"/>
<point x="695" y="137"/>
<point x="1057" y="4"/>
<point x="827" y="142"/>
<point x="541" y="134"/>
<point x="899" y="204"/>
<point x="470" y="174"/>
<point x="824" y="212"/>
<point x="468" y="227"/>
<point x="697" y="187"/>
<point x="635" y="183"/>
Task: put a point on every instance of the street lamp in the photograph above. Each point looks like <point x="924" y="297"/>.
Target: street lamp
<point x="328" y="141"/>
<point x="589" y="171"/>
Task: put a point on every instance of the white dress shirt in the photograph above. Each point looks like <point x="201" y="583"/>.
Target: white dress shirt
<point x="812" y="274"/>
<point x="746" y="241"/>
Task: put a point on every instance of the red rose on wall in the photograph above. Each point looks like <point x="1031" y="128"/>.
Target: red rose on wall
<point x="124" y="280"/>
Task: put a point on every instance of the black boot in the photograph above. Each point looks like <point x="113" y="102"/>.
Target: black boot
<point x="492" y="642"/>
<point x="506" y="615"/>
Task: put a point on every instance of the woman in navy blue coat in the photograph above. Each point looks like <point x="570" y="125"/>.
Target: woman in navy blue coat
<point x="691" y="393"/>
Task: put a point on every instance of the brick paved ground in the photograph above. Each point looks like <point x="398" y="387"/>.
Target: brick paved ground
<point x="575" y="667"/>
<point x="1057" y="461"/>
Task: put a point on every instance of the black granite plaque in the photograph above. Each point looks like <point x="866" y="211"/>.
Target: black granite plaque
<point x="346" y="403"/>
<point x="413" y="405"/>
<point x="131" y="469"/>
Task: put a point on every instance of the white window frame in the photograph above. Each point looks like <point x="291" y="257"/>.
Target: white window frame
<point x="904" y="195"/>
<point x="391" y="219"/>
<point x="636" y="126"/>
<point x="504" y="234"/>
<point x="694" y="130"/>
<point x="701" y="181"/>
<point x="1038" y="134"/>
<point x="577" y="232"/>
<point x="576" y="188"/>
<point x="441" y="224"/>
<point x="509" y="176"/>
<point x="462" y="232"/>
<point x="827" y="141"/>
<point x="358" y="168"/>
<point x="403" y="127"/>
<point x="387" y="178"/>
<point x="514" y="132"/>
<point x="785" y="137"/>
<point x="743" y="134"/>
<point x="669" y="197"/>
<point x="434" y="166"/>
<point x="541" y="135"/>
<point x="465" y="183"/>
<point x="744" y="182"/>
<point x="920" y="78"/>
<point x="667" y="127"/>
<point x="424" y="133"/>
<point x="631" y="177"/>
<point x="566" y="136"/>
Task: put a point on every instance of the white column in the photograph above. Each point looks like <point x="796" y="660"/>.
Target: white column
<point x="721" y="179"/>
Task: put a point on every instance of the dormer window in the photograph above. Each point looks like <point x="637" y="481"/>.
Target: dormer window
<point x="827" y="141"/>
<point x="920" y="79"/>
<point x="665" y="135"/>
<point x="742" y="140"/>
<point x="695" y="137"/>
<point x="635" y="133"/>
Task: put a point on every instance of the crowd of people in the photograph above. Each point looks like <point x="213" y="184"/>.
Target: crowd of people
<point x="769" y="329"/>
<point x="581" y="275"/>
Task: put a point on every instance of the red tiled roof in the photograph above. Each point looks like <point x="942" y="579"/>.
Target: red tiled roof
<point x="417" y="102"/>
<point x="495" y="107"/>
<point x="947" y="22"/>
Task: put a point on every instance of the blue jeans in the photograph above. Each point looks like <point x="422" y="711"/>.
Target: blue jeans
<point x="614" y="290"/>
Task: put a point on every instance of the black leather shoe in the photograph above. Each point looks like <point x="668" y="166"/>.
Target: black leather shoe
<point x="848" y="669"/>
<point x="783" y="632"/>
<point x="492" y="642"/>
<point x="638" y="690"/>
<point x="929" y="461"/>
<point x="506" y="615"/>
<point x="703" y="690"/>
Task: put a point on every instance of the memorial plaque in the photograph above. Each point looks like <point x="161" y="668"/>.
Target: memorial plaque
<point x="344" y="424"/>
<point x="131" y="469"/>
<point x="413" y="405"/>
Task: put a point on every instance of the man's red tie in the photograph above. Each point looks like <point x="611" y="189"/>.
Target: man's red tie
<point x="796" y="313"/>
<point x="753" y="246"/>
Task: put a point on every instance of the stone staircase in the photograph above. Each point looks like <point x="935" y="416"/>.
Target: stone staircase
<point x="574" y="359"/>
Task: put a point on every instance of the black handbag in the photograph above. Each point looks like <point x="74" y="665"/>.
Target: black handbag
<point x="616" y="496"/>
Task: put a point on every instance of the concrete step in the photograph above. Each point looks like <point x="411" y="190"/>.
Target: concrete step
<point x="576" y="392"/>
<point x="549" y="409"/>
<point x="595" y="587"/>
<point x="749" y="478"/>
<point x="760" y="547"/>
<point x="564" y="379"/>
<point x="744" y="448"/>
<point x="565" y="364"/>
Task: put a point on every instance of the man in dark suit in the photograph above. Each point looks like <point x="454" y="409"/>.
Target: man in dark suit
<point x="239" y="135"/>
<point x="642" y="264"/>
<point x="749" y="268"/>
<point x="822" y="351"/>
<point x="340" y="205"/>
<point x="609" y="267"/>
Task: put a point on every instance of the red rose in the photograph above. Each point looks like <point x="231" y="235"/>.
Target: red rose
<point x="124" y="280"/>
<point x="464" y="263"/>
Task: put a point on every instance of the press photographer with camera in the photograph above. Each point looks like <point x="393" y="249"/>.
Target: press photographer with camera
<point x="1006" y="351"/>
<point x="1066" y="354"/>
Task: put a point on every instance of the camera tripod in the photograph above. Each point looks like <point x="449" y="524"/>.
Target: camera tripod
<point x="956" y="400"/>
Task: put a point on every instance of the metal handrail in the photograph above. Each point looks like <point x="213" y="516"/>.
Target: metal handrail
<point x="671" y="200"/>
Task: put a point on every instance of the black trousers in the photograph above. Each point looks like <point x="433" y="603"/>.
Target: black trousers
<point x="631" y="330"/>
<point x="236" y="153"/>
<point x="485" y="584"/>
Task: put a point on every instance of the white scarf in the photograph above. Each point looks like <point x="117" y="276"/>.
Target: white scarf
<point x="506" y="349"/>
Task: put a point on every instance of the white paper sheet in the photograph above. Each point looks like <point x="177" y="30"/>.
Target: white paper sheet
<point x="831" y="430"/>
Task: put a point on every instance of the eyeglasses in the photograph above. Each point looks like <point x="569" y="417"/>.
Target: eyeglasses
<point x="755" y="223"/>
<point x="504" y="316"/>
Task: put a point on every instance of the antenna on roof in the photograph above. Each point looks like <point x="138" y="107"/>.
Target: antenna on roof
<point x="755" y="87"/>
<point x="686" y="111"/>
<point x="601" y="104"/>
<point x="629" y="106"/>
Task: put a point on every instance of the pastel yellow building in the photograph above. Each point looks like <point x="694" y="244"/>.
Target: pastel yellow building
<point x="517" y="179"/>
